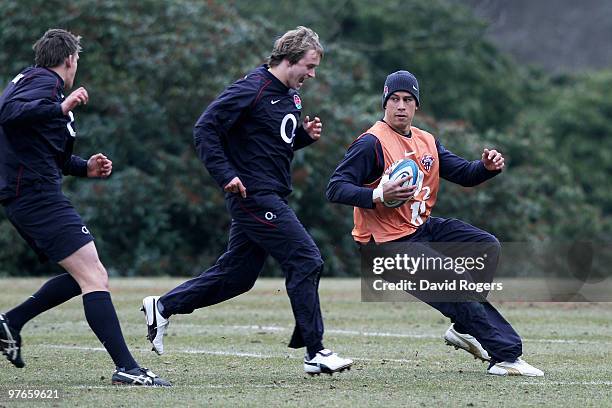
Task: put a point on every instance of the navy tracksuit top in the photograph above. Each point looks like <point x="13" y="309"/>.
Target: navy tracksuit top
<point x="36" y="138"/>
<point x="250" y="131"/>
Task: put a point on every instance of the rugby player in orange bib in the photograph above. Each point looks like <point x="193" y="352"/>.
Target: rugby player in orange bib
<point x="362" y="181"/>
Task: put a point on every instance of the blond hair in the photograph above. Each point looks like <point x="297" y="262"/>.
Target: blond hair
<point x="293" y="45"/>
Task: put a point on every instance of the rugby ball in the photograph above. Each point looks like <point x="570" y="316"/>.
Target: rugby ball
<point x="403" y="169"/>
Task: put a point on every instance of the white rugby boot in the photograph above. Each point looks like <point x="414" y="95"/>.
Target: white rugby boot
<point x="138" y="376"/>
<point x="518" y="367"/>
<point x="326" y="362"/>
<point x="156" y="323"/>
<point x="465" y="342"/>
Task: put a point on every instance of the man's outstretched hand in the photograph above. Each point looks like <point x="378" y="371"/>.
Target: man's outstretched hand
<point x="76" y="98"/>
<point x="313" y="127"/>
<point x="99" y="165"/>
<point x="492" y="160"/>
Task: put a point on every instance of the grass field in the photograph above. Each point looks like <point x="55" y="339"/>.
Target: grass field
<point x="235" y="354"/>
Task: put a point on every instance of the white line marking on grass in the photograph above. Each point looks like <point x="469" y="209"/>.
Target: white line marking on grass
<point x="254" y="355"/>
<point x="568" y="341"/>
<point x="228" y="353"/>
<point x="225" y="353"/>
<point x="63" y="347"/>
<point x="253" y="327"/>
<point x="195" y="387"/>
<point x="336" y="331"/>
<point x="608" y="383"/>
<point x="382" y="334"/>
<point x="208" y="328"/>
<point x="188" y="351"/>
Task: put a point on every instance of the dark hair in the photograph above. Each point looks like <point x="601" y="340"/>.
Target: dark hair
<point x="293" y="45"/>
<point x="54" y="47"/>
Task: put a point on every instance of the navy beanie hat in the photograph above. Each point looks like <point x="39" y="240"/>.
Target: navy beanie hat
<point x="400" y="81"/>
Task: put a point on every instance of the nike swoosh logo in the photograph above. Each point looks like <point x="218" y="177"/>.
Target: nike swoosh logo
<point x="406" y="154"/>
<point x="274" y="101"/>
<point x="414" y="87"/>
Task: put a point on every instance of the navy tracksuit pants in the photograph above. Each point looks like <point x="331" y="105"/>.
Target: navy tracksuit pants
<point x="262" y="224"/>
<point x="479" y="319"/>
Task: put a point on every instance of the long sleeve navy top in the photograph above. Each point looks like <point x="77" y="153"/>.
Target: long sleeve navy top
<point x="250" y="131"/>
<point x="364" y="161"/>
<point x="36" y="138"/>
